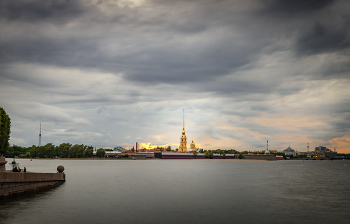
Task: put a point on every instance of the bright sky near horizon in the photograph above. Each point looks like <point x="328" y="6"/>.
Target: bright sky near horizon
<point x="112" y="73"/>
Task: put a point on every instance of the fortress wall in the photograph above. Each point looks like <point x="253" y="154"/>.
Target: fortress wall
<point x="140" y="156"/>
<point x="260" y="157"/>
<point x="15" y="183"/>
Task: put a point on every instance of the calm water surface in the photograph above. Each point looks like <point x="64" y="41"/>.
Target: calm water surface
<point x="186" y="191"/>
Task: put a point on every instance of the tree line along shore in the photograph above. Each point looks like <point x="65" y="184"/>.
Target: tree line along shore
<point x="64" y="150"/>
<point x="67" y="150"/>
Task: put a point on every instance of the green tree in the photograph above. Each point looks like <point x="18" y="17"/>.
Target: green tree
<point x="168" y="148"/>
<point x="195" y="154"/>
<point x="76" y="151"/>
<point x="26" y="155"/>
<point x="206" y="154"/>
<point x="57" y="151"/>
<point x="40" y="152"/>
<point x="100" y="152"/>
<point x="5" y="130"/>
<point x="33" y="151"/>
<point x="89" y="152"/>
<point x="17" y="150"/>
<point x="47" y="151"/>
<point x="240" y="156"/>
<point x="64" y="150"/>
<point x="211" y="155"/>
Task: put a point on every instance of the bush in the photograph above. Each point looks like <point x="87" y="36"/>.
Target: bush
<point x="224" y="156"/>
<point x="211" y="155"/>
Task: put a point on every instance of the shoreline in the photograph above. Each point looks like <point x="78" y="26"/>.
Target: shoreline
<point x="140" y="159"/>
<point x="296" y="159"/>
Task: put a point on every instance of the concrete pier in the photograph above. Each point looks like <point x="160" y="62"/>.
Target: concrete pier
<point x="12" y="183"/>
<point x="2" y="164"/>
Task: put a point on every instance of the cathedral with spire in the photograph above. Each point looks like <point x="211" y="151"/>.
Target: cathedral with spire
<point x="183" y="140"/>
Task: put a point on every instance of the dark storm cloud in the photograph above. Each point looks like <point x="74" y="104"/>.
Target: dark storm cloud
<point x="185" y="45"/>
<point x="320" y="26"/>
<point x="294" y="7"/>
<point x="322" y="38"/>
<point x="56" y="12"/>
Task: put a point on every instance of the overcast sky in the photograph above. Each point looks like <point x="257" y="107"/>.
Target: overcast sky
<point x="112" y="73"/>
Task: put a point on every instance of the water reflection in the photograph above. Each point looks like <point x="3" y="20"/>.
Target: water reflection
<point x="14" y="205"/>
<point x="187" y="192"/>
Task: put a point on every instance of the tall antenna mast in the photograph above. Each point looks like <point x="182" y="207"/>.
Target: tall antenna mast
<point x="267" y="145"/>
<point x="40" y="136"/>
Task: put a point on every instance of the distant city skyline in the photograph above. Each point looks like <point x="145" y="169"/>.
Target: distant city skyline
<point x="108" y="73"/>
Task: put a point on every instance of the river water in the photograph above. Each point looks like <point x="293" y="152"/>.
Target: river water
<point x="186" y="191"/>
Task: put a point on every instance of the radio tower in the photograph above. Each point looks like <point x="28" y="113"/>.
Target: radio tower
<point x="267" y="145"/>
<point x="307" y="147"/>
<point x="40" y="136"/>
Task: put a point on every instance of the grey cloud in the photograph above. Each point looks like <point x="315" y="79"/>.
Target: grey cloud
<point x="67" y="52"/>
<point x="260" y="108"/>
<point x="215" y="58"/>
<point x="342" y="126"/>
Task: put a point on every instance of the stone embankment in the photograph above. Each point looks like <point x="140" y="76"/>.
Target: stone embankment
<point x="12" y="183"/>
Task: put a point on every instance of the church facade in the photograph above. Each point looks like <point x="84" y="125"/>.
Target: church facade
<point x="193" y="146"/>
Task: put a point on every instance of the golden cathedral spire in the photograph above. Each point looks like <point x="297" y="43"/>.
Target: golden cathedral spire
<point x="183" y="139"/>
<point x="183" y="119"/>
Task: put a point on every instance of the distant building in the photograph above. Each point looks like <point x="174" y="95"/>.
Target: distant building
<point x="193" y="146"/>
<point x="330" y="154"/>
<point x="322" y="151"/>
<point x="290" y="152"/>
<point x="119" y="148"/>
